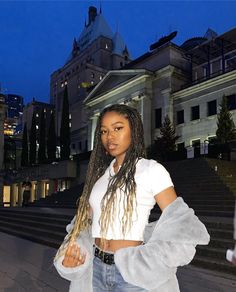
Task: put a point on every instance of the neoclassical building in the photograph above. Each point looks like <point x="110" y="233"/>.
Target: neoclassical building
<point x="185" y="82"/>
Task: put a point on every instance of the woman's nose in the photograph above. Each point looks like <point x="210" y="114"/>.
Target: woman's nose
<point x="110" y="134"/>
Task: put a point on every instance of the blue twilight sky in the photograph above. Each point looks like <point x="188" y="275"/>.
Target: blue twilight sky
<point x="36" y="36"/>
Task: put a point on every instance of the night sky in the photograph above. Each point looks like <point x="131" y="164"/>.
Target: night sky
<point x="36" y="36"/>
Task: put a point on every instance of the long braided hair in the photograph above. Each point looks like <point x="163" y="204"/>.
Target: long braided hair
<point x="123" y="179"/>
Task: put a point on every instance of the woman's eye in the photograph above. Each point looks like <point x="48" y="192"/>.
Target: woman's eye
<point x="118" y="128"/>
<point x="102" y="132"/>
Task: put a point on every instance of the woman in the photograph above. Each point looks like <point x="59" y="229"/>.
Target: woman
<point x="120" y="251"/>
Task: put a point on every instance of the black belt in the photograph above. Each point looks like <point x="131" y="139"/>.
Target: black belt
<point x="105" y="257"/>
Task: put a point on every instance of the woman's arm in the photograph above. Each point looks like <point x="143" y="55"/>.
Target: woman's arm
<point x="172" y="244"/>
<point x="165" y="197"/>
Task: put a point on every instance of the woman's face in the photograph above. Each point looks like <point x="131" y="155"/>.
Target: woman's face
<point x="115" y="135"/>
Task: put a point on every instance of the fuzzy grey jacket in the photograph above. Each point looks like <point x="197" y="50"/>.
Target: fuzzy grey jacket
<point x="170" y="242"/>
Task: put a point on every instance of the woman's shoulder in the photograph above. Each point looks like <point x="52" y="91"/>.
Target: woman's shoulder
<point x="149" y="163"/>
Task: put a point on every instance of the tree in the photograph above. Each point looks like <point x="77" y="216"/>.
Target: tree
<point x="32" y="139"/>
<point x="165" y="144"/>
<point x="42" y="139"/>
<point x="51" y="140"/>
<point x="25" y="150"/>
<point x="226" y="130"/>
<point x="65" y="128"/>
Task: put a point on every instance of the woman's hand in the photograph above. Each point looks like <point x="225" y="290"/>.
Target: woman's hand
<point x="73" y="257"/>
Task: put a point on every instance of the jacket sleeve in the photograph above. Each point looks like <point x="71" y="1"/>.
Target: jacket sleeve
<point x="83" y="271"/>
<point x="171" y="244"/>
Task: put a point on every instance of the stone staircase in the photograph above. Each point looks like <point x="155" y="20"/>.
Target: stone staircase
<point x="44" y="225"/>
<point x="226" y="171"/>
<point x="65" y="199"/>
<point x="213" y="202"/>
<point x="194" y="180"/>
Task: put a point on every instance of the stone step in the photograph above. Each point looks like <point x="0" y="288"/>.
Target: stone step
<point x="48" y="241"/>
<point x="70" y="205"/>
<point x="55" y="226"/>
<point x="222" y="201"/>
<point x="213" y="207"/>
<point x="214" y="264"/>
<point x="204" y="190"/>
<point x="221" y="233"/>
<point x="38" y="214"/>
<point x="221" y="243"/>
<point x="199" y="212"/>
<point x="229" y="214"/>
<point x="38" y="218"/>
<point x="210" y="252"/>
<point x="34" y="230"/>
<point x="219" y="225"/>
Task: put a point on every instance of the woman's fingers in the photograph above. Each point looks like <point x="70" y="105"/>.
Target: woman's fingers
<point x="73" y="256"/>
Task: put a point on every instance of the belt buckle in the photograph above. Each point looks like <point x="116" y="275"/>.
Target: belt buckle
<point x="105" y="257"/>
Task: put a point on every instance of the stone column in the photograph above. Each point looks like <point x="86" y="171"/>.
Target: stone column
<point x="39" y="190"/>
<point x="32" y="192"/>
<point x="20" y="195"/>
<point x="1" y="191"/>
<point x="91" y="130"/>
<point x="13" y="194"/>
<point x="145" y="111"/>
<point x="51" y="187"/>
<point x="168" y="104"/>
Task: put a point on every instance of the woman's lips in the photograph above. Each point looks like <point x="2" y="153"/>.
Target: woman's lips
<point x="111" y="146"/>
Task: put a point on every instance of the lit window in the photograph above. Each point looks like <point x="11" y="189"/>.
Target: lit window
<point x="92" y="82"/>
<point x="100" y="77"/>
<point x="44" y="110"/>
<point x="37" y="127"/>
<point x="66" y="82"/>
<point x="37" y="115"/>
<point x="69" y="116"/>
<point x="106" y="46"/>
<point x="70" y="125"/>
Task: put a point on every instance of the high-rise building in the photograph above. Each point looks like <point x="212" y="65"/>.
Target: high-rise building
<point x="13" y="114"/>
<point x="37" y="107"/>
<point x="96" y="51"/>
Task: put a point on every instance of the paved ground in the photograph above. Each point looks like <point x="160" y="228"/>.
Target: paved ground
<point x="27" y="266"/>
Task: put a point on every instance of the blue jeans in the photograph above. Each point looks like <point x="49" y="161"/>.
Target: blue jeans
<point x="108" y="278"/>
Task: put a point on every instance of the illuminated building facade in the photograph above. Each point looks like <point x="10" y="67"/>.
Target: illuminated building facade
<point x="13" y="114"/>
<point x="96" y="51"/>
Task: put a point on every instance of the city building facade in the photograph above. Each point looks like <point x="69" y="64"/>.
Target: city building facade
<point x="96" y="51"/>
<point x="13" y="116"/>
<point x="185" y="82"/>
<point x="38" y="108"/>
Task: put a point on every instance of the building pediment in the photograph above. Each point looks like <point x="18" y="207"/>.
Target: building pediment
<point x="114" y="79"/>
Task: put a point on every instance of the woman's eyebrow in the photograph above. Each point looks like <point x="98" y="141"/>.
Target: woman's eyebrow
<point x="113" y="124"/>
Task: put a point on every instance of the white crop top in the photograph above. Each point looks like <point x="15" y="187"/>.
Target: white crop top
<point x="151" y="178"/>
